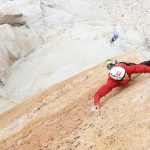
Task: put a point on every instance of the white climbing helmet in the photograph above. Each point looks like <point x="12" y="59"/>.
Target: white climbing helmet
<point x="117" y="73"/>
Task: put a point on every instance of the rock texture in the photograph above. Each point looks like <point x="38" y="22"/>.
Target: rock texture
<point x="43" y="42"/>
<point x="75" y="32"/>
<point x="60" y="118"/>
<point x="12" y="17"/>
<point x="15" y="44"/>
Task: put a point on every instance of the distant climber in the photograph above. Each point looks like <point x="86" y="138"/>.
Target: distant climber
<point x="119" y="75"/>
<point x="114" y="38"/>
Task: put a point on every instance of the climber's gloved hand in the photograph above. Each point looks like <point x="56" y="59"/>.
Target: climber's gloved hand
<point x="95" y="108"/>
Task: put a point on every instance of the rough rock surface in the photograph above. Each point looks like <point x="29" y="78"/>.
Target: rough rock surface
<point x="43" y="42"/>
<point x="75" y="32"/>
<point x="12" y="17"/>
<point x="15" y="44"/>
<point x="60" y="117"/>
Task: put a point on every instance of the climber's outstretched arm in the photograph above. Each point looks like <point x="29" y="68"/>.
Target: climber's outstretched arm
<point x="138" y="69"/>
<point x="105" y="89"/>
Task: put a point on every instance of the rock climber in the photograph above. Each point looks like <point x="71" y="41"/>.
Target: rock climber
<point x="114" y="38"/>
<point x="119" y="75"/>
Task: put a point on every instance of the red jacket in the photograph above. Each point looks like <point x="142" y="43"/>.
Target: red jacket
<point x="111" y="83"/>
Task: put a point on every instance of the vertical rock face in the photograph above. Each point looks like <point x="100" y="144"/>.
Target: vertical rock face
<point x="60" y="118"/>
<point x="14" y="45"/>
<point x="12" y="17"/>
<point x="9" y="50"/>
<point x="66" y="37"/>
<point x="43" y="42"/>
